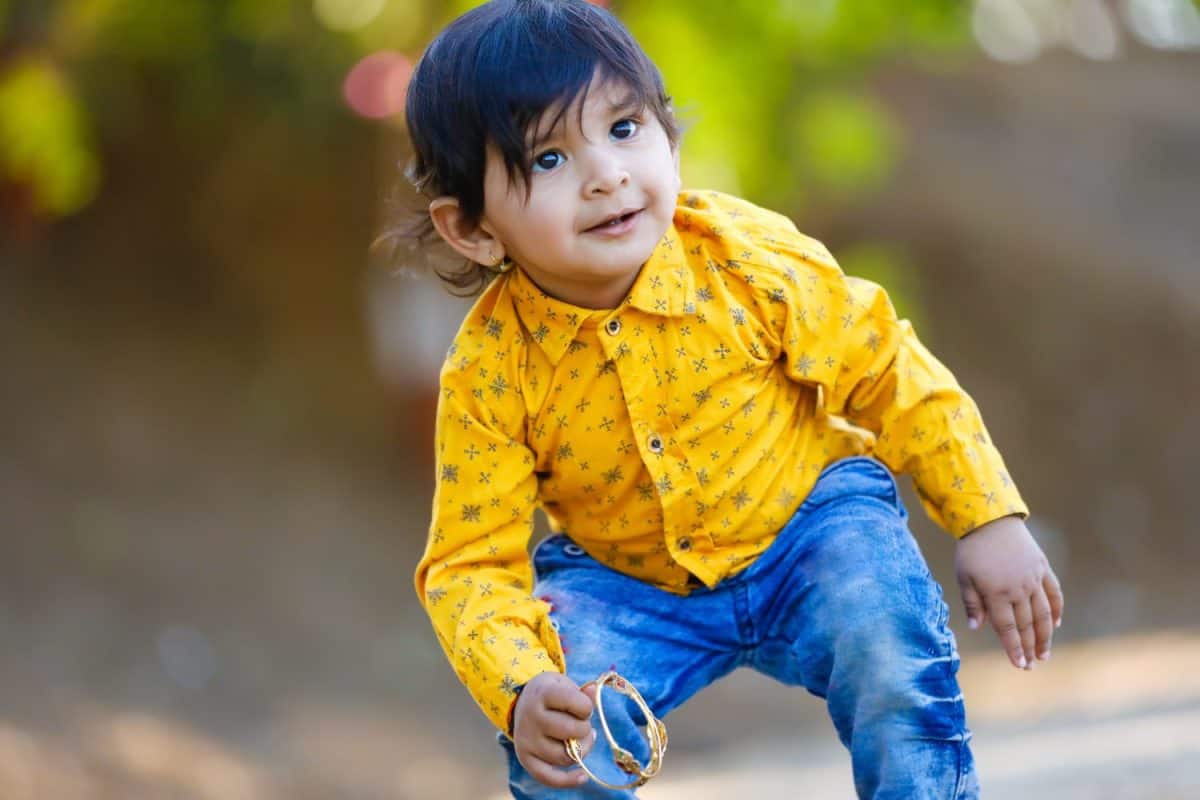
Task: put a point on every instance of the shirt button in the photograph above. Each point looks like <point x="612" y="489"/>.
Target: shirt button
<point x="685" y="543"/>
<point x="655" y="444"/>
<point x="613" y="326"/>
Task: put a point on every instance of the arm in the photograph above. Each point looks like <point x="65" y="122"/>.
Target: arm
<point x="475" y="577"/>
<point x="843" y="334"/>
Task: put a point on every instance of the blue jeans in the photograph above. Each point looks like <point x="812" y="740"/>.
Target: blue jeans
<point x="841" y="603"/>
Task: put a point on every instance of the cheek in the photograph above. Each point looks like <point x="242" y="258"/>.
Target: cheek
<point x="545" y="218"/>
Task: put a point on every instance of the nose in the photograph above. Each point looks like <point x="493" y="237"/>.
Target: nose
<point x="606" y="172"/>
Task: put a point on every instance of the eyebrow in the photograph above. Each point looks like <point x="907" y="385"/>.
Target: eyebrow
<point x="627" y="103"/>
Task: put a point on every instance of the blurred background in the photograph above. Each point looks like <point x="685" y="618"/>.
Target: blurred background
<point x="216" y="397"/>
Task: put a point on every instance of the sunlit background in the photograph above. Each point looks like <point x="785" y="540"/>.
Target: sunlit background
<point x="216" y="395"/>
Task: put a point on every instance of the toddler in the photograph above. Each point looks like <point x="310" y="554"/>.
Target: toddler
<point x="709" y="413"/>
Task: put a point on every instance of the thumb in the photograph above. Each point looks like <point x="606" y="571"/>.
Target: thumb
<point x="973" y="603"/>
<point x="587" y="744"/>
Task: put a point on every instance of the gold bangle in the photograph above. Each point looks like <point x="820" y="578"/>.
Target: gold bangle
<point x="656" y="736"/>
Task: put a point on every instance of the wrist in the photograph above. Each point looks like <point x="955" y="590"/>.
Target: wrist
<point x="512" y="710"/>
<point x="1007" y="521"/>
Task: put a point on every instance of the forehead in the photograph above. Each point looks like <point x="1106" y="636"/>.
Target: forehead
<point x="601" y="97"/>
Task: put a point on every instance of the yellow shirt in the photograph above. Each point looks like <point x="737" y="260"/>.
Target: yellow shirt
<point x="676" y="434"/>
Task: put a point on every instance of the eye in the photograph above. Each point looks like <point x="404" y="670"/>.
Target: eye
<point x="544" y="162"/>
<point x="625" y="129"/>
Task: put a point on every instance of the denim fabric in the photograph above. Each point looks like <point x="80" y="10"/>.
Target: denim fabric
<point x="841" y="603"/>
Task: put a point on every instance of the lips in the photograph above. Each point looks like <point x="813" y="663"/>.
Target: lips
<point x="614" y="221"/>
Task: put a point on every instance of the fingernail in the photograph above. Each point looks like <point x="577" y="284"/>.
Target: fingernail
<point x="973" y="623"/>
<point x="1021" y="662"/>
<point x="1044" y="656"/>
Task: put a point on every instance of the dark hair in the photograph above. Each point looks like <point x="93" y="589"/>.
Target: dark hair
<point x="491" y="75"/>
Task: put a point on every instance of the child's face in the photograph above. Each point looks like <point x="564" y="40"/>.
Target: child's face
<point x="617" y="165"/>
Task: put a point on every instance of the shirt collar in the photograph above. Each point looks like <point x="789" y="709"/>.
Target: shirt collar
<point x="664" y="287"/>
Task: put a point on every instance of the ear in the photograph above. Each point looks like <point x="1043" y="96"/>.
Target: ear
<point x="472" y="241"/>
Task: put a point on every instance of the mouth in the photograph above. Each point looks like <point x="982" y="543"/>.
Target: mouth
<point x="615" y="222"/>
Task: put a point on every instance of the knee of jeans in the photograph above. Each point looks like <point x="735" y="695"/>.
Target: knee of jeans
<point x="899" y="675"/>
<point x="896" y="640"/>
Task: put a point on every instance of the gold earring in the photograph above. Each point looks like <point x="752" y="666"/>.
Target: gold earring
<point x="501" y="265"/>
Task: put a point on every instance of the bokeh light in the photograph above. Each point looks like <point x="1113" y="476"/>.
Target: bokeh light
<point x="374" y="88"/>
<point x="1164" y="24"/>
<point x="1006" y="31"/>
<point x="1018" y="31"/>
<point x="1092" y="31"/>
<point x="347" y="15"/>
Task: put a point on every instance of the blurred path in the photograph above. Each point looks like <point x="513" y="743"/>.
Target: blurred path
<point x="1111" y="719"/>
<point x="1148" y="756"/>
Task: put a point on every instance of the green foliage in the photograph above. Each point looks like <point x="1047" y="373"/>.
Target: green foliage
<point x="44" y="141"/>
<point x="754" y="79"/>
<point x="751" y="77"/>
<point x="848" y="141"/>
<point x="156" y="34"/>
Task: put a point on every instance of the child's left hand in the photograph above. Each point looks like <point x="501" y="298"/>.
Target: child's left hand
<point x="1005" y="577"/>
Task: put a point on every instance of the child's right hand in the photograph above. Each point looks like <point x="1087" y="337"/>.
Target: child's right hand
<point x="550" y="710"/>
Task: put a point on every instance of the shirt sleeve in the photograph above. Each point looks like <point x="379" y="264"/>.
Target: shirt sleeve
<point x="475" y="578"/>
<point x="842" y="334"/>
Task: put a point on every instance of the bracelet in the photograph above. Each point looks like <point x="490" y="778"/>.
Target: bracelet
<point x="656" y="736"/>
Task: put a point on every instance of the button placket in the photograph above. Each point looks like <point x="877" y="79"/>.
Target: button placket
<point x="654" y="433"/>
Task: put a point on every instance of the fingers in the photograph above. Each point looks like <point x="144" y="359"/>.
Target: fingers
<point x="587" y="744"/>
<point x="560" y="726"/>
<point x="1005" y="624"/>
<point x="973" y="604"/>
<point x="1023" y="616"/>
<point x="1054" y="594"/>
<point x="554" y="751"/>
<point x="568" y="697"/>
<point x="547" y="773"/>
<point x="545" y="759"/>
<point x="1025" y="627"/>
<point x="552" y="705"/>
<point x="551" y="710"/>
<point x="1043" y="623"/>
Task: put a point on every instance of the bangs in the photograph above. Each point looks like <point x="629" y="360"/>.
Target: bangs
<point x="542" y="81"/>
<point x="506" y="72"/>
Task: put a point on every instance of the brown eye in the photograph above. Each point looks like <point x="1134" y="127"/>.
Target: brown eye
<point x="544" y="162"/>
<point x="624" y="129"/>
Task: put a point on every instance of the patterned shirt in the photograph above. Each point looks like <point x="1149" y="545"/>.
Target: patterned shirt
<point x="675" y="435"/>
